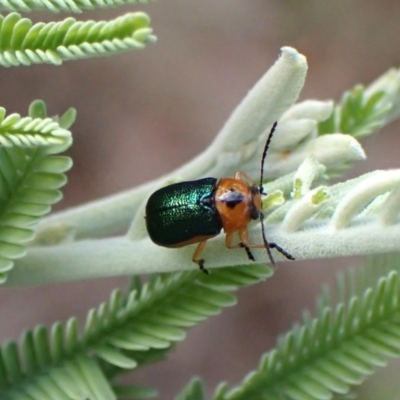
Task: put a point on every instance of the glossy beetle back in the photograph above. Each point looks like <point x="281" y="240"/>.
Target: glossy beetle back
<point x="183" y="213"/>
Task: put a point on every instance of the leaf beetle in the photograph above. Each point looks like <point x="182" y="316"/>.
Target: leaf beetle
<point x="195" y="211"/>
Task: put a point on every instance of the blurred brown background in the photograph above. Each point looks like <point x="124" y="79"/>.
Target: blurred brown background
<point x="141" y="114"/>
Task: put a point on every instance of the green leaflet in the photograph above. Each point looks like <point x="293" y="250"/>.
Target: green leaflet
<point x="76" y="6"/>
<point x="135" y="392"/>
<point x="359" y="113"/>
<point x="31" y="174"/>
<point x="193" y="391"/>
<point x="25" y="43"/>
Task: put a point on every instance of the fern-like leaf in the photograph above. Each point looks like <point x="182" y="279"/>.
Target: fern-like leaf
<point x="75" y="6"/>
<point x="23" y="43"/>
<point x="329" y="354"/>
<point x="28" y="132"/>
<point x="124" y="333"/>
<point x="30" y="177"/>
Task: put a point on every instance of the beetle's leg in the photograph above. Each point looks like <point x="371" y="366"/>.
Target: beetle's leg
<point x="244" y="241"/>
<point x="244" y="237"/>
<point x="248" y="251"/>
<point x="229" y="245"/>
<point x="196" y="254"/>
<point x="273" y="245"/>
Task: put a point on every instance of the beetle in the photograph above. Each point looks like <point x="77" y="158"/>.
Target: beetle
<point x="195" y="211"/>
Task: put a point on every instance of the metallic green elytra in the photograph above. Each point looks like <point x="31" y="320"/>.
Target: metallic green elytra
<point x="183" y="213"/>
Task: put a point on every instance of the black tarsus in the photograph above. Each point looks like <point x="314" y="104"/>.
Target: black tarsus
<point x="200" y="263"/>
<point x="248" y="251"/>
<point x="273" y="245"/>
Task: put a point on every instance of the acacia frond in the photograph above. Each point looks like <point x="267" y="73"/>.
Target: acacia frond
<point x="30" y="176"/>
<point x="23" y="43"/>
<point x="76" y="6"/>
<point x="330" y="353"/>
<point x="119" y="335"/>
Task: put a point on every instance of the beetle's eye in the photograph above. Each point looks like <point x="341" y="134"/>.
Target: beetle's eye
<point x="255" y="190"/>
<point x="254" y="213"/>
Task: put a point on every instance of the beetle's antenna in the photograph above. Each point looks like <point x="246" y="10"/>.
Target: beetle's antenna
<point x="271" y="245"/>
<point x="266" y="244"/>
<point x="264" y="155"/>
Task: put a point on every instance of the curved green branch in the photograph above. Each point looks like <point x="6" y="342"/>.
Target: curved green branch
<point x="22" y="43"/>
<point x="355" y="217"/>
<point x="231" y="150"/>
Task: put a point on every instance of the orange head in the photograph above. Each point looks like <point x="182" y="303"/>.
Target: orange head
<point x="237" y="203"/>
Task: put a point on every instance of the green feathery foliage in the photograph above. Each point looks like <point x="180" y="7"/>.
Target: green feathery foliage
<point x="31" y="175"/>
<point x="358" y="113"/>
<point x="122" y="334"/>
<point x="25" y="43"/>
<point x="76" y="6"/>
<point x="337" y="349"/>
